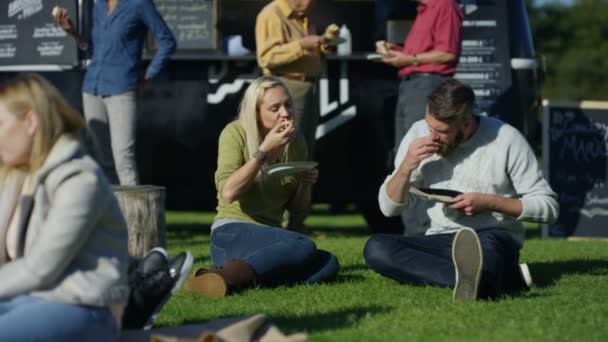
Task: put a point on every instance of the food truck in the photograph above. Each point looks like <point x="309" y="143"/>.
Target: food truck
<point x="197" y="94"/>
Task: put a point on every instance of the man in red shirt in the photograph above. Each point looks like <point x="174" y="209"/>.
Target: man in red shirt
<point x="429" y="55"/>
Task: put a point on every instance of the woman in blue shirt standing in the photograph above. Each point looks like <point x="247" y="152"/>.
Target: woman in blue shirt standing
<point x="115" y="73"/>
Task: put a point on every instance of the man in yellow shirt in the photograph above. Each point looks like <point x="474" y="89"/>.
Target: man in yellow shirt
<point x="289" y="48"/>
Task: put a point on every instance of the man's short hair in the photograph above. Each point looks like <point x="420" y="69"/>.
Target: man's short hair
<point x="451" y="102"/>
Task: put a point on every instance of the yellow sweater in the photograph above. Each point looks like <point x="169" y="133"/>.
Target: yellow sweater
<point x="277" y="35"/>
<point x="266" y="199"/>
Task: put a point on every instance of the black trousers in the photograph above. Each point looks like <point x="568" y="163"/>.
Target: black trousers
<point x="427" y="259"/>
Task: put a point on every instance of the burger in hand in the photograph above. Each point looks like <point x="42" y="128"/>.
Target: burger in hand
<point x="285" y="124"/>
<point x="382" y="47"/>
<point x="331" y="32"/>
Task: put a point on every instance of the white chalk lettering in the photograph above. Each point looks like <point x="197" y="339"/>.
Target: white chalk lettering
<point x="579" y="150"/>
<point x="50" y="49"/>
<point x="49" y="31"/>
<point x="8" y="32"/>
<point x="594" y="199"/>
<point x="7" y="51"/>
<point x="24" y="8"/>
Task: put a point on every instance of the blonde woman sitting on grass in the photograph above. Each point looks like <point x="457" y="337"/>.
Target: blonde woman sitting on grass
<point x="63" y="240"/>
<point x="247" y="244"/>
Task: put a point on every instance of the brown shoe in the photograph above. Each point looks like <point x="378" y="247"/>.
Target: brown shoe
<point x="201" y="271"/>
<point x="207" y="284"/>
<point x="221" y="281"/>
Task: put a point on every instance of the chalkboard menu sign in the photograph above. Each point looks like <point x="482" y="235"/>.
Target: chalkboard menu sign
<point x="485" y="62"/>
<point x="575" y="158"/>
<point x="192" y="23"/>
<point x="30" y="40"/>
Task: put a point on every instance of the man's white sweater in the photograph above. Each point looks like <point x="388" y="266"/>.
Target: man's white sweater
<point x="497" y="160"/>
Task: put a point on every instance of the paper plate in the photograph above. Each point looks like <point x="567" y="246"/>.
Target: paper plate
<point x="436" y="195"/>
<point x="376" y="57"/>
<point x="334" y="41"/>
<point x="288" y="169"/>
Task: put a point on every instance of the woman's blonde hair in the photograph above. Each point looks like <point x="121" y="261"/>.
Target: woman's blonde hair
<point x="33" y="93"/>
<point x="249" y="111"/>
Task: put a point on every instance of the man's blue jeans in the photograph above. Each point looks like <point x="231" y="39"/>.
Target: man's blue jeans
<point x="277" y="255"/>
<point x="427" y="259"/>
<point x="27" y="318"/>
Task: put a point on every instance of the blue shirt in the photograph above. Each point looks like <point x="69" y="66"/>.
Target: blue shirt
<point x="116" y="45"/>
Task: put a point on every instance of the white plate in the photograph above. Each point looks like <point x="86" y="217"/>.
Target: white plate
<point x="288" y="169"/>
<point x="334" y="40"/>
<point x="435" y="195"/>
<point x="376" y="57"/>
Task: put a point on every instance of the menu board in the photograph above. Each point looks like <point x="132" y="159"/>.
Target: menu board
<point x="485" y="62"/>
<point x="575" y="158"/>
<point x="30" y="40"/>
<point x="192" y="22"/>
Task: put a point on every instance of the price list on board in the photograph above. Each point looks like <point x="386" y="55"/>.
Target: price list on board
<point x="191" y="21"/>
<point x="485" y="57"/>
<point x="28" y="35"/>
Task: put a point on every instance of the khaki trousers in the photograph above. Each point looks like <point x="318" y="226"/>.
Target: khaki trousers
<point x="306" y="114"/>
<point x="306" y="110"/>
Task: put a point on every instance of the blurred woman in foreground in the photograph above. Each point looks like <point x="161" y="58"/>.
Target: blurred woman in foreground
<point x="63" y="240"/>
<point x="247" y="245"/>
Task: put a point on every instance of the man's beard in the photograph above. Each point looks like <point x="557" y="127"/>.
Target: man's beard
<point x="446" y="149"/>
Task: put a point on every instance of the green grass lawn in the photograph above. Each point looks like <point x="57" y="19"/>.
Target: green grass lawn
<point x="569" y="301"/>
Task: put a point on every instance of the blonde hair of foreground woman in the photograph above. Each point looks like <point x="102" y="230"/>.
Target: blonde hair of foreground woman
<point x="33" y="93"/>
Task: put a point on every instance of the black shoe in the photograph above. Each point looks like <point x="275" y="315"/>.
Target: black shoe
<point x="179" y="268"/>
<point x="151" y="284"/>
<point x="467" y="258"/>
<point x="155" y="260"/>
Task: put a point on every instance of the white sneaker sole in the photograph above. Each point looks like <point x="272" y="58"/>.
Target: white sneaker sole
<point x="526" y="275"/>
<point x="160" y="250"/>
<point x="183" y="272"/>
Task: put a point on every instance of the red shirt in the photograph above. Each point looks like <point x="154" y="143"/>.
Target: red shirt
<point x="438" y="26"/>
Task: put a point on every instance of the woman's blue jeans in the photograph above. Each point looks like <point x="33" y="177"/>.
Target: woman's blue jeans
<point x="28" y="318"/>
<point x="278" y="256"/>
